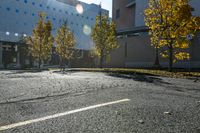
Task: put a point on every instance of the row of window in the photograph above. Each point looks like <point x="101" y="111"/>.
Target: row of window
<point x="47" y="17"/>
<point x="54" y="9"/>
<point x="33" y="14"/>
<point x="72" y="23"/>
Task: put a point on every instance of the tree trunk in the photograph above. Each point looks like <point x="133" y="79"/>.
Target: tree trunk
<point x="39" y="64"/>
<point x="40" y="55"/>
<point x="69" y="63"/>
<point x="61" y="64"/>
<point x="101" y="59"/>
<point x="170" y="57"/>
<point x="157" y="62"/>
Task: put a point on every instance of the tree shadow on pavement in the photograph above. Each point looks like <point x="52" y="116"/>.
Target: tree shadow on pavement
<point x="11" y="72"/>
<point x="140" y="78"/>
<point x="66" y="72"/>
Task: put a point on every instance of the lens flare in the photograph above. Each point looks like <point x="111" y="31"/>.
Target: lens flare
<point x="16" y="34"/>
<point x="7" y="33"/>
<point x="79" y="8"/>
<point x="87" y="30"/>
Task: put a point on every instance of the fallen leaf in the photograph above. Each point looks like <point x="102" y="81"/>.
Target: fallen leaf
<point x="167" y="113"/>
<point x="141" y="121"/>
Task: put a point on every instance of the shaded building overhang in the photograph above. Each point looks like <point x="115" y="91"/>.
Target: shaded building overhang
<point x="132" y="30"/>
<point x="11" y="43"/>
<point x="131" y="3"/>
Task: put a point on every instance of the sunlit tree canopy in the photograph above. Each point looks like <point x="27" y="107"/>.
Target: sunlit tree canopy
<point x="104" y="37"/>
<point x="41" y="41"/>
<point x="65" y="43"/>
<point x="170" y="22"/>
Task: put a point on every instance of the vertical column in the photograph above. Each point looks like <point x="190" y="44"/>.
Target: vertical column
<point x="1" y="54"/>
<point x="18" y="56"/>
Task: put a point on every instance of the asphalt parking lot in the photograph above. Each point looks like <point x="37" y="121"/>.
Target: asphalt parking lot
<point x="76" y="102"/>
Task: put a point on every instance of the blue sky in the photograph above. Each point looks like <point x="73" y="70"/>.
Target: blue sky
<point x="106" y="4"/>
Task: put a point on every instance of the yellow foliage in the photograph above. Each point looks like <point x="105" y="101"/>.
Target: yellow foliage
<point x="182" y="56"/>
<point x="41" y="41"/>
<point x="104" y="36"/>
<point x="65" y="42"/>
<point x="169" y="22"/>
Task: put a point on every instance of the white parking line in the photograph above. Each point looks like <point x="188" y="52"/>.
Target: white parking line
<point x="23" y="123"/>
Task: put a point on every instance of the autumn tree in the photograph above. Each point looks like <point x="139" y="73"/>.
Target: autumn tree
<point x="169" y="22"/>
<point x="41" y="41"/>
<point x="65" y="44"/>
<point x="104" y="37"/>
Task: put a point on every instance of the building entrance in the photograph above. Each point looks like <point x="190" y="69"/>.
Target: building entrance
<point x="9" y="55"/>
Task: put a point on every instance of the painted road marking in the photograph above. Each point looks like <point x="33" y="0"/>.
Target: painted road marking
<point x="23" y="123"/>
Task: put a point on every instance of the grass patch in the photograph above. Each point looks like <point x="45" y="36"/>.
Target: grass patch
<point x="164" y="73"/>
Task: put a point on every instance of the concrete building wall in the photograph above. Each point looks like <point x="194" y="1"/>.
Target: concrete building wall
<point x="196" y="5"/>
<point x="141" y="5"/>
<point x="136" y="52"/>
<point x="126" y="14"/>
<point x="135" y="49"/>
<point x="117" y="58"/>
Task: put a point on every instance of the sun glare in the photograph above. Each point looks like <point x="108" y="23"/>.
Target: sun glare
<point x="79" y="8"/>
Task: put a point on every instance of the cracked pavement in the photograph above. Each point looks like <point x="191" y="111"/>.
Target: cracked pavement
<point x="157" y="104"/>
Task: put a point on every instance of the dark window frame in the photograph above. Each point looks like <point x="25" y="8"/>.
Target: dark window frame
<point x="117" y="14"/>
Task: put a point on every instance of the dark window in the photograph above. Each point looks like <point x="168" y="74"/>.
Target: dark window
<point x="17" y="11"/>
<point x="33" y="3"/>
<point x="117" y="13"/>
<point x="33" y="14"/>
<point x="47" y="17"/>
<point x="25" y="1"/>
<point x="54" y="9"/>
<point x="17" y="0"/>
<point x="48" y="7"/>
<point x="60" y="10"/>
<point x="66" y="12"/>
<point x="8" y="9"/>
<point x="40" y="5"/>
<point x="77" y="15"/>
<point x="54" y="19"/>
<point x="72" y="14"/>
<point x="25" y="24"/>
<point x="72" y="23"/>
<point x="25" y="12"/>
<point x="87" y="17"/>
